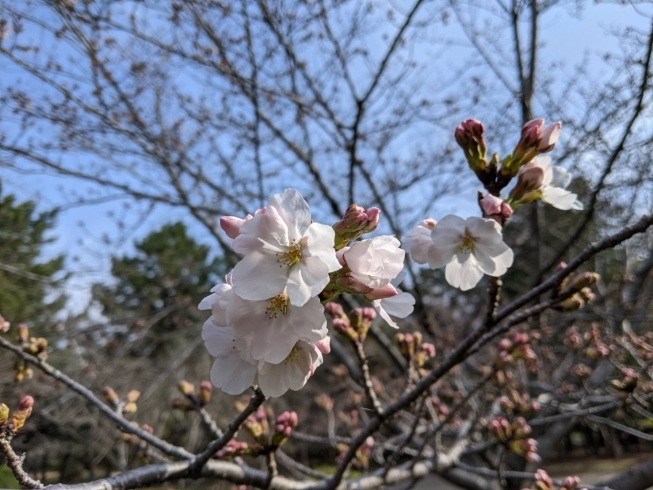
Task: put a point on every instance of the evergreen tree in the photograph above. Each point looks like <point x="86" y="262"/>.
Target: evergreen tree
<point x="153" y="303"/>
<point x="28" y="285"/>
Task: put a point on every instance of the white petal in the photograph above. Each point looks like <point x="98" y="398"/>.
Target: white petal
<point x="441" y="256"/>
<point x="232" y="374"/>
<point x="207" y="302"/>
<point x="482" y="228"/>
<point x="321" y="240"/>
<point x="263" y="232"/>
<point x="417" y="244"/>
<point x="217" y="340"/>
<point x="294" y="211"/>
<point x="559" y="198"/>
<point x="399" y="306"/>
<point x="561" y="178"/>
<point x="463" y="272"/>
<point x="259" y="276"/>
<point x="545" y="164"/>
<point x="378" y="306"/>
<point x="493" y="260"/>
<point x="306" y="280"/>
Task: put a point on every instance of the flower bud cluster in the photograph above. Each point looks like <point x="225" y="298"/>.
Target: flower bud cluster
<point x="193" y="400"/>
<point x="628" y="381"/>
<point x="267" y="320"/>
<point x="125" y="405"/>
<point x="12" y="422"/>
<point x="414" y="349"/>
<point x="516" y="402"/>
<point x="535" y="139"/>
<point x="354" y="325"/>
<point x="579" y="286"/>
<point x="284" y="425"/>
<point x="516" y="347"/>
<point x="470" y="137"/>
<point x="233" y="449"/>
<point x="515" y="437"/>
<point x="542" y="481"/>
<point x="356" y="222"/>
<point x="596" y="348"/>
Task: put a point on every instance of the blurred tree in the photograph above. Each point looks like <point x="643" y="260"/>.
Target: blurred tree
<point x="28" y="285"/>
<point x="156" y="291"/>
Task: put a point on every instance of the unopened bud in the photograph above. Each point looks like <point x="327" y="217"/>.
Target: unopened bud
<point x="469" y="136"/>
<point x="23" y="332"/>
<point x="205" y="392"/>
<point x="584" y="280"/>
<point x="4" y="325"/>
<point x="130" y="407"/>
<point x="529" y="182"/>
<point x="185" y="388"/>
<point x="4" y="414"/>
<point x="334" y="309"/>
<point x="356" y="222"/>
<point x="133" y="396"/>
<point x="109" y="395"/>
<point x="19" y="417"/>
<point x="231" y="225"/>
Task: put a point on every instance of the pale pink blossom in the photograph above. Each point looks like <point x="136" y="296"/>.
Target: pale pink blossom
<point x="496" y="208"/>
<point x="275" y="325"/>
<point x="284" y="251"/>
<point x="375" y="262"/>
<point x="291" y="374"/>
<point x="418" y="241"/>
<point x="217" y="302"/>
<point x="469" y="248"/>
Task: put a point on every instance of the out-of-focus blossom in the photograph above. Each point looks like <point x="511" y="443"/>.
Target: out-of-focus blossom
<point x="418" y="241"/>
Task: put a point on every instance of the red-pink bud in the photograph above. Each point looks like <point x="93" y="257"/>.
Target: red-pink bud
<point x="231" y="224"/>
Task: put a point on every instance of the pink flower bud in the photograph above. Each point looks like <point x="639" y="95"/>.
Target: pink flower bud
<point x="26" y="402"/>
<point x="491" y="204"/>
<point x="387" y="291"/>
<point x="469" y="136"/>
<point x="231" y="225"/>
<point x="373" y="218"/>
<point x="549" y="137"/>
<point x="334" y="309"/>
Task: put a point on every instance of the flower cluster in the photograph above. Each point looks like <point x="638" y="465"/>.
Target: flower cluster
<point x="267" y="325"/>
<point x="469" y="248"/>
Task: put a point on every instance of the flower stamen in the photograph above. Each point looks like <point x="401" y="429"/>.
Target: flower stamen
<point x="278" y="304"/>
<point x="293" y="256"/>
<point x="466" y="244"/>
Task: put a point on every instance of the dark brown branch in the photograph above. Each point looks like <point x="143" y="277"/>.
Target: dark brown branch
<point x="15" y="464"/>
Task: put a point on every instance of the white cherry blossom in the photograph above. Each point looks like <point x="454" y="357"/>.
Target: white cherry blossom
<point x="217" y="302"/>
<point x="233" y="370"/>
<point x="375" y="262"/>
<point x="554" y="185"/>
<point x="275" y="325"/>
<point x="292" y="373"/>
<point x="469" y="248"/>
<point x="284" y="251"/>
<point x="418" y="241"/>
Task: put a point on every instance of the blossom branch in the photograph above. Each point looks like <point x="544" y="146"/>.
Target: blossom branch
<point x="214" y="446"/>
<point x="15" y="464"/>
<point x="125" y="425"/>
<point x="367" y="380"/>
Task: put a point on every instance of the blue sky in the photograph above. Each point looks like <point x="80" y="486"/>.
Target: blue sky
<point x="567" y="38"/>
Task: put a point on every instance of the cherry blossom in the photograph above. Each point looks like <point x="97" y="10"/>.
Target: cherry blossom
<point x="275" y="325"/>
<point x="293" y="372"/>
<point x="284" y="251"/>
<point x="233" y="371"/>
<point x="468" y="248"/>
<point x="418" y="241"/>
<point x="554" y="184"/>
<point x="375" y="262"/>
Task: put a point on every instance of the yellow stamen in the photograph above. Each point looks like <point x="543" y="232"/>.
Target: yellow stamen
<point x="278" y="304"/>
<point x="293" y="256"/>
<point x="293" y="356"/>
<point x="467" y="244"/>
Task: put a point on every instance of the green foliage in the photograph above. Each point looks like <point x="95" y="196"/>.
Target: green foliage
<point x="25" y="281"/>
<point x="157" y="290"/>
<point x="7" y="479"/>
